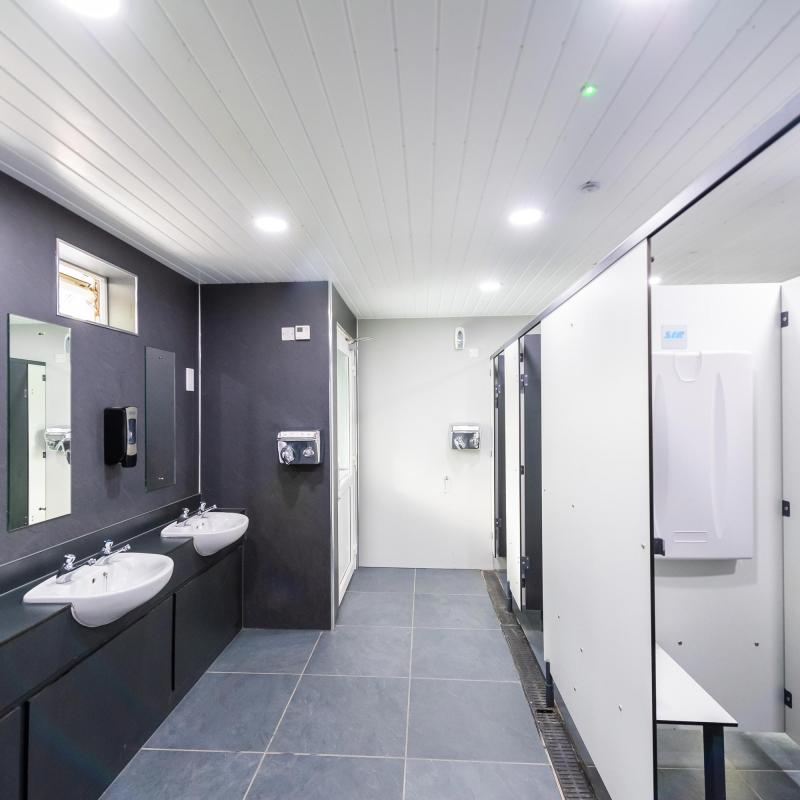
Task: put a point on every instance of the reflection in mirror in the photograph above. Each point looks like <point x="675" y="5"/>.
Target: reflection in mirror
<point x="159" y="422"/>
<point x="39" y="422"/>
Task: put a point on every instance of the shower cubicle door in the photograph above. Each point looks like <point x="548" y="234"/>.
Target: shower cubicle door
<point x="513" y="520"/>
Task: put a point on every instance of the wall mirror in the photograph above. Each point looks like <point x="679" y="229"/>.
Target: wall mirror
<point x="39" y="422"/>
<point x="159" y="421"/>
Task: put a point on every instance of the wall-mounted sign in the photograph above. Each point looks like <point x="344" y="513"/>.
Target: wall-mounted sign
<point x="674" y="337"/>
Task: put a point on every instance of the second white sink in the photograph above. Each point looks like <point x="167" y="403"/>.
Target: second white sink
<point x="217" y="529"/>
<point x="103" y="592"/>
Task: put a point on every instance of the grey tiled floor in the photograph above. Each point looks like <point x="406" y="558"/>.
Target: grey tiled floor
<point x="758" y="766"/>
<point x="414" y="696"/>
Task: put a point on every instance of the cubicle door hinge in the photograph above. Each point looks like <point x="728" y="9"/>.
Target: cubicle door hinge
<point x="523" y="382"/>
<point x="787" y="508"/>
<point x="784" y="319"/>
<point x="787" y="698"/>
<point x="658" y="547"/>
<point x="521" y="357"/>
<point x="524" y="568"/>
<point x="498" y="523"/>
<point x="521" y="469"/>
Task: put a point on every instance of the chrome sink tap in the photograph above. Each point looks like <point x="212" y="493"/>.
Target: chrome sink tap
<point x="204" y="510"/>
<point x="108" y="550"/>
<point x="64" y="574"/>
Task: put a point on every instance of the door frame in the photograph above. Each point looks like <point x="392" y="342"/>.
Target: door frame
<point x="346" y="344"/>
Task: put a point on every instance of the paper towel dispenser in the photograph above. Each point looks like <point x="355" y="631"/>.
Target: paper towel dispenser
<point x="299" y="448"/>
<point x="465" y="437"/>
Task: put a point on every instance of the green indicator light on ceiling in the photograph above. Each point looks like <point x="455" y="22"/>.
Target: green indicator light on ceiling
<point x="589" y="89"/>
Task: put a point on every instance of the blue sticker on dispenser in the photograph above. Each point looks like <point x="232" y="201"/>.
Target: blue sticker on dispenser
<point x="674" y="337"/>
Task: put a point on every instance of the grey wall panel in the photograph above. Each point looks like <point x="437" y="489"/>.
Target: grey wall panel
<point x="255" y="385"/>
<point x="107" y="365"/>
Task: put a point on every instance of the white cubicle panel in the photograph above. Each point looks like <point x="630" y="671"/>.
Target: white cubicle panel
<point x="513" y="518"/>
<point x="596" y="520"/>
<point x="790" y="373"/>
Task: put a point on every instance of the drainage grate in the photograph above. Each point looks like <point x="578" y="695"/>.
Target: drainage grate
<point x="571" y="777"/>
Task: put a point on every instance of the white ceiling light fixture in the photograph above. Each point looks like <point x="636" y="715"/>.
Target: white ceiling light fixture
<point x="489" y="286"/>
<point x="96" y="9"/>
<point x="270" y="224"/>
<point x="655" y="280"/>
<point x="523" y="217"/>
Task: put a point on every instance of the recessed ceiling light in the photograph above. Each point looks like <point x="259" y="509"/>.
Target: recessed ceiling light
<point x="525" y="216"/>
<point x="271" y="224"/>
<point x="489" y="286"/>
<point x="655" y="280"/>
<point x="97" y="9"/>
<point x="589" y="89"/>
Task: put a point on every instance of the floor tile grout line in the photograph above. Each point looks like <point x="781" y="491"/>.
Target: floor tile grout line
<point x="429" y="594"/>
<point x="280" y="719"/>
<point x="408" y="700"/>
<point x="387" y="758"/>
<point x="418" y="627"/>
<point x="308" y="674"/>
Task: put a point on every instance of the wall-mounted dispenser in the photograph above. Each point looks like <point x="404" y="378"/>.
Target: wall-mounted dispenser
<point x="465" y="437"/>
<point x="299" y="448"/>
<point x="119" y="427"/>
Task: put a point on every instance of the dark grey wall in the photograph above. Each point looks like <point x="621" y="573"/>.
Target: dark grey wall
<point x="340" y="315"/>
<point x="107" y="366"/>
<point x="253" y="386"/>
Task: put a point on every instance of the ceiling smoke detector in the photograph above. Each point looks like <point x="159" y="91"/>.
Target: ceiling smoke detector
<point x="589" y="186"/>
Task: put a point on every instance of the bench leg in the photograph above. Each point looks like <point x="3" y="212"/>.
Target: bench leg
<point x="714" y="761"/>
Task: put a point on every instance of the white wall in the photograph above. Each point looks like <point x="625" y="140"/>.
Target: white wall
<point x="412" y="385"/>
<point x="721" y="609"/>
<point x="596" y="520"/>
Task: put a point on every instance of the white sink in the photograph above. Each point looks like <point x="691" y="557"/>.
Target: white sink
<point x="210" y="533"/>
<point x="101" y="593"/>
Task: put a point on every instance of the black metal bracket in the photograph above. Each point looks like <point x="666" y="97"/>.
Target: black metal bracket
<point x="524" y="568"/>
<point x="786" y="507"/>
<point x="784" y="319"/>
<point x="787" y="698"/>
<point x="658" y="547"/>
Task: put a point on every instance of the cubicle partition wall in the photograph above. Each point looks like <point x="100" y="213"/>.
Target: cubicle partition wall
<point x="598" y="634"/>
<point x="513" y="520"/>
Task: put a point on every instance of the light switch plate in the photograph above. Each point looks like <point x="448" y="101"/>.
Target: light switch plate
<point x="189" y="379"/>
<point x="302" y="332"/>
<point x="287" y="334"/>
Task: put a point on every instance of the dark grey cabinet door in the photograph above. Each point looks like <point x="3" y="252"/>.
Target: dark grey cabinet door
<point x="208" y="614"/>
<point x="11" y="753"/>
<point x="87" y="725"/>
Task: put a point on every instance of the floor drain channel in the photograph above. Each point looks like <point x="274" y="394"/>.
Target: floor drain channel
<point x="574" y="783"/>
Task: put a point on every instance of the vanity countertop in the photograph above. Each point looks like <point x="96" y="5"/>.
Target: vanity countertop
<point x="17" y="617"/>
<point x="47" y="640"/>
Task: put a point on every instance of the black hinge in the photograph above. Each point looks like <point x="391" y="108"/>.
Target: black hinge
<point x="44" y="453"/>
<point x="521" y="357"/>
<point x="498" y="523"/>
<point x="524" y="567"/>
<point x="523" y="382"/>
<point x="658" y="547"/>
<point x="784" y="319"/>
<point x="787" y="698"/>
<point x="787" y="508"/>
<point x="521" y="469"/>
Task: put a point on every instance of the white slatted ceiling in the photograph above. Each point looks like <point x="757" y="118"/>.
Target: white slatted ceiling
<point x="394" y="135"/>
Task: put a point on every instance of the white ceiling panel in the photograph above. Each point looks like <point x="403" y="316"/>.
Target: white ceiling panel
<point x="393" y="135"/>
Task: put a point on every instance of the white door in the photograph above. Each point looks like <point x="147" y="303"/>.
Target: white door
<point x="790" y="368"/>
<point x="346" y="436"/>
<point x="37" y="477"/>
<point x="512" y="436"/>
